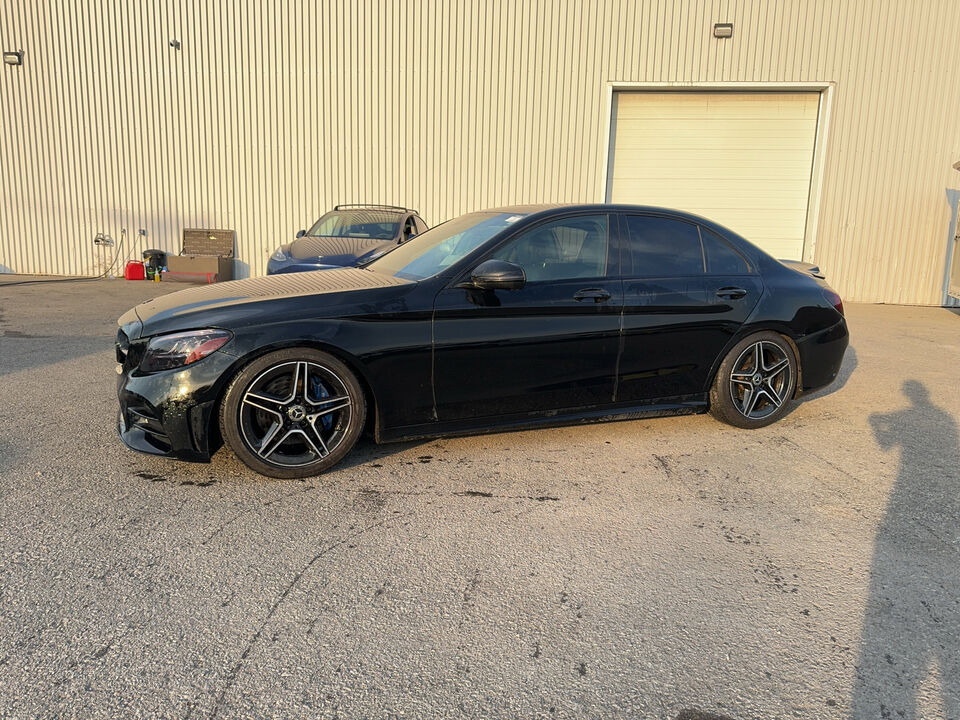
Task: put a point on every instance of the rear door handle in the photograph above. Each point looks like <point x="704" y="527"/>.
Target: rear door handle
<point x="598" y="295"/>
<point x="731" y="293"/>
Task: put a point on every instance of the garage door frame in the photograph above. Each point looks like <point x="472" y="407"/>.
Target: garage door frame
<point x="825" y="89"/>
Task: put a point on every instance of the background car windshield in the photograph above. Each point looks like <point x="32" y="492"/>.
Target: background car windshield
<point x="440" y="247"/>
<point x="357" y="224"/>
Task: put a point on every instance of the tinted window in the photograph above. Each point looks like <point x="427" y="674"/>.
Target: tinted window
<point x="441" y="246"/>
<point x="661" y="247"/>
<point x="382" y="225"/>
<point x="561" y="250"/>
<point x="721" y="258"/>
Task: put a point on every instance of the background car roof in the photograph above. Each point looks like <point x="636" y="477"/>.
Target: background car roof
<point x="373" y="206"/>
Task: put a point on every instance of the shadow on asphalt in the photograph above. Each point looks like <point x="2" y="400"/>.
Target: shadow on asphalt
<point x="700" y="715"/>
<point x="366" y="451"/>
<point x="846" y="370"/>
<point x="22" y="351"/>
<point x="911" y="630"/>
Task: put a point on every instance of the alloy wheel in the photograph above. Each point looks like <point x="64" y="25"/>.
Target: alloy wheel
<point x="761" y="380"/>
<point x="295" y="413"/>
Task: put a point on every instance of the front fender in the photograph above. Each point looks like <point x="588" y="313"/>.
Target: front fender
<point x="392" y="357"/>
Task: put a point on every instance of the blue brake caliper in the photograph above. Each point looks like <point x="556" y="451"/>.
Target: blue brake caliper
<point x="319" y="392"/>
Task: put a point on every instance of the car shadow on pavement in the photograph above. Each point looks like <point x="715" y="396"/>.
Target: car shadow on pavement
<point x="21" y="351"/>
<point x="7" y="456"/>
<point x="847" y="367"/>
<point x="910" y="642"/>
<point x="366" y="451"/>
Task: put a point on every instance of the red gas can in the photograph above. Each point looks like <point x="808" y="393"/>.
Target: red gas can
<point x="134" y="271"/>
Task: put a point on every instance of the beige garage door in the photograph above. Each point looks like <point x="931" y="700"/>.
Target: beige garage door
<point x="741" y="159"/>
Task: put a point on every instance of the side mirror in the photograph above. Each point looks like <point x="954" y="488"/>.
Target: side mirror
<point x="301" y="233"/>
<point x="498" y="275"/>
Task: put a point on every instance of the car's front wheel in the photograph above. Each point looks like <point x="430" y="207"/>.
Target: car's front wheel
<point x="293" y="413"/>
<point x="755" y="381"/>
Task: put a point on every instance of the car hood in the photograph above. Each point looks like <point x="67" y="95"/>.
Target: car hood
<point x="240" y="302"/>
<point x="320" y="247"/>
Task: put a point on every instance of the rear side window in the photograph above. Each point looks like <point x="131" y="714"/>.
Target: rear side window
<point x="662" y="247"/>
<point x="721" y="258"/>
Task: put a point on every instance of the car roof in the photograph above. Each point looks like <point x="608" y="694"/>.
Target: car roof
<point x="526" y="209"/>
<point x="372" y="206"/>
<point x="557" y="208"/>
<point x="535" y="212"/>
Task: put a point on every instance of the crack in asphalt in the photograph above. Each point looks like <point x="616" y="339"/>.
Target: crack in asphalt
<point x="220" y="528"/>
<point x="374" y="491"/>
<point x="459" y="493"/>
<point x="784" y="440"/>
<point x="235" y="670"/>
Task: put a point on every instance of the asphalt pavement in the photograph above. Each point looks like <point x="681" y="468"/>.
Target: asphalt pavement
<point x="667" y="568"/>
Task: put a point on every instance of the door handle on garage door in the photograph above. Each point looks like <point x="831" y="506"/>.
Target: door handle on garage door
<point x="731" y="293"/>
<point x="598" y="295"/>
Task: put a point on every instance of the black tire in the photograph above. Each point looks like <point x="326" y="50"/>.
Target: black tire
<point x="293" y="413"/>
<point x="748" y="395"/>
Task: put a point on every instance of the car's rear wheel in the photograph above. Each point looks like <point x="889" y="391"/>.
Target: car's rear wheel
<point x="755" y="381"/>
<point x="293" y="413"/>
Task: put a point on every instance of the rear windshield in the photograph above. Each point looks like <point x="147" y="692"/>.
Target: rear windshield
<point x="357" y="224"/>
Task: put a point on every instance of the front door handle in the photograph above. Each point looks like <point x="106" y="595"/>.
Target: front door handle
<point x="731" y="293"/>
<point x="598" y="295"/>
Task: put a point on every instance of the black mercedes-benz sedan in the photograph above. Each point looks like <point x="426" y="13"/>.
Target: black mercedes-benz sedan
<point x="347" y="236"/>
<point x="506" y="318"/>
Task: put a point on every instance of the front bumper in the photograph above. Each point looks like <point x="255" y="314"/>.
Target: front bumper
<point x="171" y="413"/>
<point x="821" y="355"/>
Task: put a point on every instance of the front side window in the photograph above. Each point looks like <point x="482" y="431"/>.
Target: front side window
<point x="662" y="247"/>
<point x="357" y="224"/>
<point x="409" y="228"/>
<point x="561" y="250"/>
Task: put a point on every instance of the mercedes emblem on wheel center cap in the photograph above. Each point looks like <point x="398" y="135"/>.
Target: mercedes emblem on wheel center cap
<point x="296" y="413"/>
<point x="757" y="379"/>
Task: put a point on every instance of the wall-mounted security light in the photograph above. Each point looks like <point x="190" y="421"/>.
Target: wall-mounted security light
<point x="723" y="30"/>
<point x="175" y="44"/>
<point x="13" y="57"/>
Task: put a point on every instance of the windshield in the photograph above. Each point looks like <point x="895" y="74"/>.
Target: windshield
<point x="440" y="247"/>
<point x="357" y="224"/>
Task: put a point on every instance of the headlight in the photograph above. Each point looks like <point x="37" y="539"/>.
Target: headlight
<point x="179" y="349"/>
<point x="281" y="254"/>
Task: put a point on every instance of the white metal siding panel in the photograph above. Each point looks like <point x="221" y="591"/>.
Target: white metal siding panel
<point x="741" y="159"/>
<point x="272" y="112"/>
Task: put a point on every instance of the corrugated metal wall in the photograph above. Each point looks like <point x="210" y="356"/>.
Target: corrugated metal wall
<point x="271" y="112"/>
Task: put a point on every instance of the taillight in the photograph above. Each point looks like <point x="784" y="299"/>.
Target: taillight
<point x="833" y="299"/>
